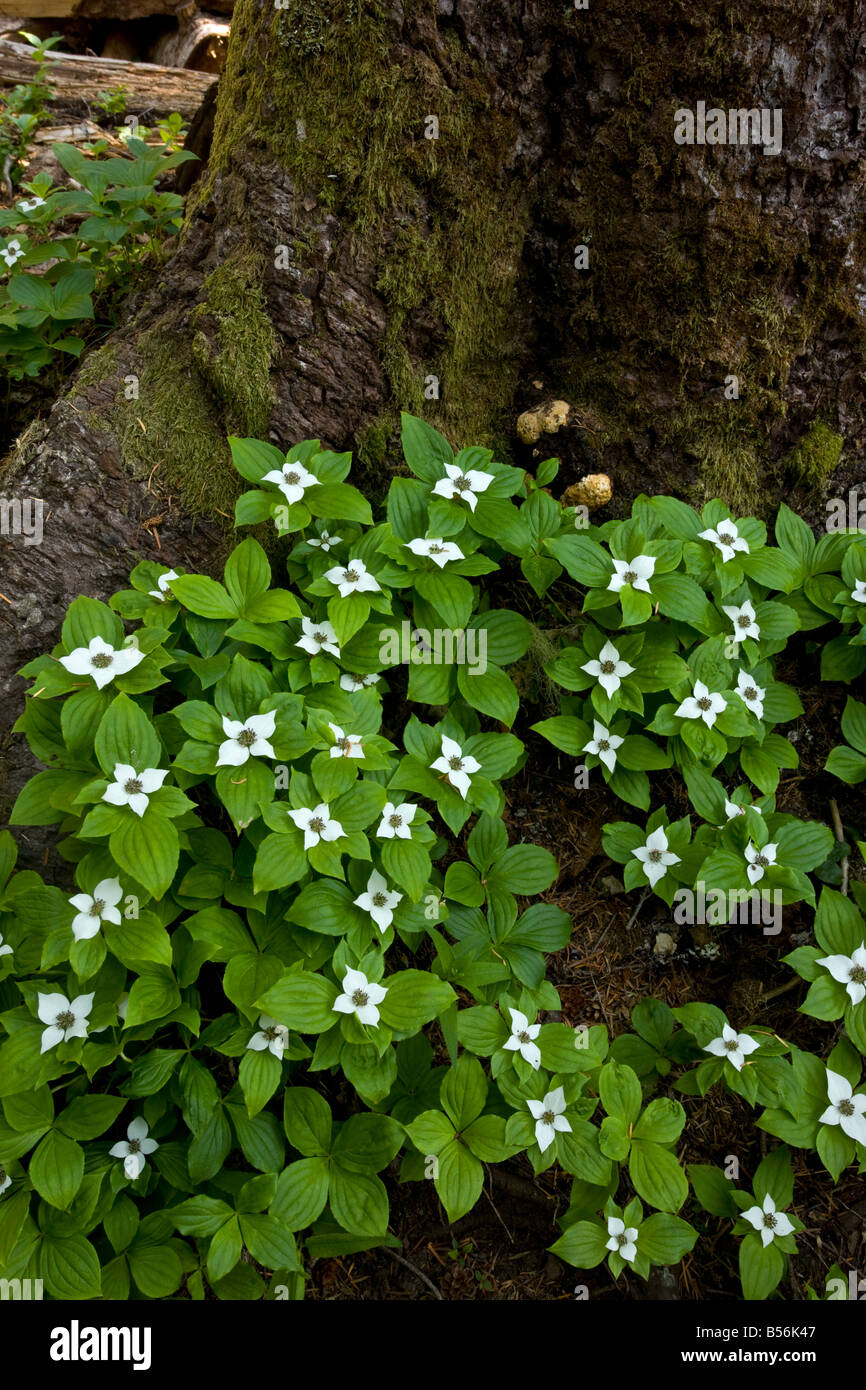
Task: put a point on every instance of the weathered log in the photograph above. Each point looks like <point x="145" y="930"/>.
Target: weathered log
<point x="200" y="42"/>
<point x="76" y="78"/>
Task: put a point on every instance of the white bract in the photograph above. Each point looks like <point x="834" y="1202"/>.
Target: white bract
<point x="292" y="480"/>
<point x="64" y="1018"/>
<point x="743" y="618"/>
<point x="396" y="821"/>
<point x="91" y="912"/>
<point x="608" y="669"/>
<point x="4" y="950"/>
<point x="30" y="204"/>
<point x="522" y="1040"/>
<point x="101" y="661"/>
<point x="353" y="578"/>
<point x="637" y="572"/>
<point x="360" y="997"/>
<point x="622" y="1238"/>
<point x="379" y="901"/>
<point x="345" y="745"/>
<point x="858" y="593"/>
<point x="732" y="808"/>
<point x="272" y="1036"/>
<point x="131" y="788"/>
<point x="463" y="486"/>
<point x="317" y="825"/>
<point x="769" y="1222"/>
<point x="454" y="766"/>
<point x="703" y="704"/>
<point x="603" y="744"/>
<point x="162" y="591"/>
<point x="12" y="252"/>
<point x="247" y="738"/>
<point x="325" y="541"/>
<point x="352" y="682"/>
<point x="733" y="1046"/>
<point x="133" y="1148"/>
<point x="757" y="860"/>
<point x="5" y="1180"/>
<point x="318" y="637"/>
<point x="850" y="971"/>
<point x="436" y="549"/>
<point x="549" y="1118"/>
<point x="726" y="538"/>
<point x="845" y="1108"/>
<point x="655" y="856"/>
<point x="751" y="694"/>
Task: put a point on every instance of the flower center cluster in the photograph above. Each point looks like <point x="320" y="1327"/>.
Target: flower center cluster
<point x="845" y="1107"/>
<point x="395" y="821"/>
<point x="379" y="900"/>
<point x="603" y="745"/>
<point x="271" y="1034"/>
<point x="98" y="905"/>
<point x="344" y="744"/>
<point x="455" y="764"/>
<point x="732" y="1045"/>
<point x="133" y="786"/>
<point x="462" y="484"/>
<point x="744" y="620"/>
<point x="762" y="861"/>
<point x="607" y="667"/>
<point x="101" y="660"/>
<point x="857" y="975"/>
<point x="246" y="738"/>
<point x="726" y="537"/>
<point x="704" y="703"/>
<point x="622" y="1239"/>
<point x="317" y="824"/>
<point x="630" y="576"/>
<point x="751" y="693"/>
<point x="292" y="477"/>
<point x="523" y="1037"/>
<point x="320" y="637"/>
<point x="769" y="1220"/>
<point x="352" y="576"/>
<point x="359" y="998"/>
<point x="548" y="1117"/>
<point x="65" y="1019"/>
<point x="134" y="1146"/>
<point x="655" y="855"/>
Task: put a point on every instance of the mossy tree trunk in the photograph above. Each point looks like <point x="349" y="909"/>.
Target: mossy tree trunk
<point x="392" y="208"/>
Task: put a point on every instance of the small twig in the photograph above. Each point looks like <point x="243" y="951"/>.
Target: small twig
<point x="634" y="916"/>
<point x="840" y="836"/>
<point x="419" y="1273"/>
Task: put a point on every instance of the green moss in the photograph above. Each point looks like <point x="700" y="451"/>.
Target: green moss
<point x="816" y="455"/>
<point x="235" y="343"/>
<point x="171" y="431"/>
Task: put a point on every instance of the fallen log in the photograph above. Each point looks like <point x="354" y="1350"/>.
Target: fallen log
<point x="150" y="87"/>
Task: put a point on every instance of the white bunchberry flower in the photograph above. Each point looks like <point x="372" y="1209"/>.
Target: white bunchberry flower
<point x="31" y="204"/>
<point x="351" y="682"/>
<point x="292" y="480"/>
<point x="703" y="704"/>
<point x="726" y="538"/>
<point x="637" y="572"/>
<point x="608" y="669"/>
<point x="436" y="549"/>
<point x="845" y="1108"/>
<point x="743" y="618"/>
<point x="65" y="1018"/>
<point x="522" y="1040"/>
<point x="622" y="1238"/>
<point x="317" y="825"/>
<point x="12" y="252"/>
<point x="325" y="541"/>
<point x="4" y="949"/>
<point x="247" y="738"/>
<point x="396" y="821"/>
<point x="162" y="591"/>
<point x="272" y="1036"/>
<point x="360" y="997"/>
<point x="131" y="788"/>
<point x="133" y="1148"/>
<point x="850" y="971"/>
<point x="655" y="856"/>
<point x="751" y="694"/>
<point x="318" y="637"/>
<point x="757" y="860"/>
<point x="733" y="808"/>
<point x="733" y="1046"/>
<point x="91" y="912"/>
<point x="603" y="744"/>
<point x="353" y="578"/>
<point x="455" y="766"/>
<point x="769" y="1222"/>
<point x="345" y="745"/>
<point x="101" y="661"/>
<point x="379" y="900"/>
<point x="549" y="1118"/>
<point x="5" y="1180"/>
<point x="463" y="486"/>
<point x="858" y="593"/>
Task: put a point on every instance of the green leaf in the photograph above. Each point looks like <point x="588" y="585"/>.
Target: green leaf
<point x="459" y="1180"/>
<point x="761" y="1268"/>
<point x="259" y="1075"/>
<point x="583" y="1245"/>
<point x="147" y="848"/>
<point x="153" y="995"/>
<point x="620" y="1092"/>
<point x="307" y="1121"/>
<point x="57" y="1169"/>
<point x="359" y="1202"/>
<point x="69" y="1267"/>
<point x="302" y="1001"/>
<point x="664" y="1239"/>
<point x="204" y="596"/>
<point x="269" y="1242"/>
<point x="302" y="1191"/>
<point x="414" y="998"/>
<point x="89" y="1116"/>
<point x="657" y="1176"/>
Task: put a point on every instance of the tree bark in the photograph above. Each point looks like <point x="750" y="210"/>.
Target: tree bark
<point x="392" y="207"/>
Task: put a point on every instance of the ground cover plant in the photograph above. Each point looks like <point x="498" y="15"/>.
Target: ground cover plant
<point x="297" y="948"/>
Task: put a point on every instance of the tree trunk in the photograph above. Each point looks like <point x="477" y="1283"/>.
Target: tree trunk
<point x="391" y="217"/>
